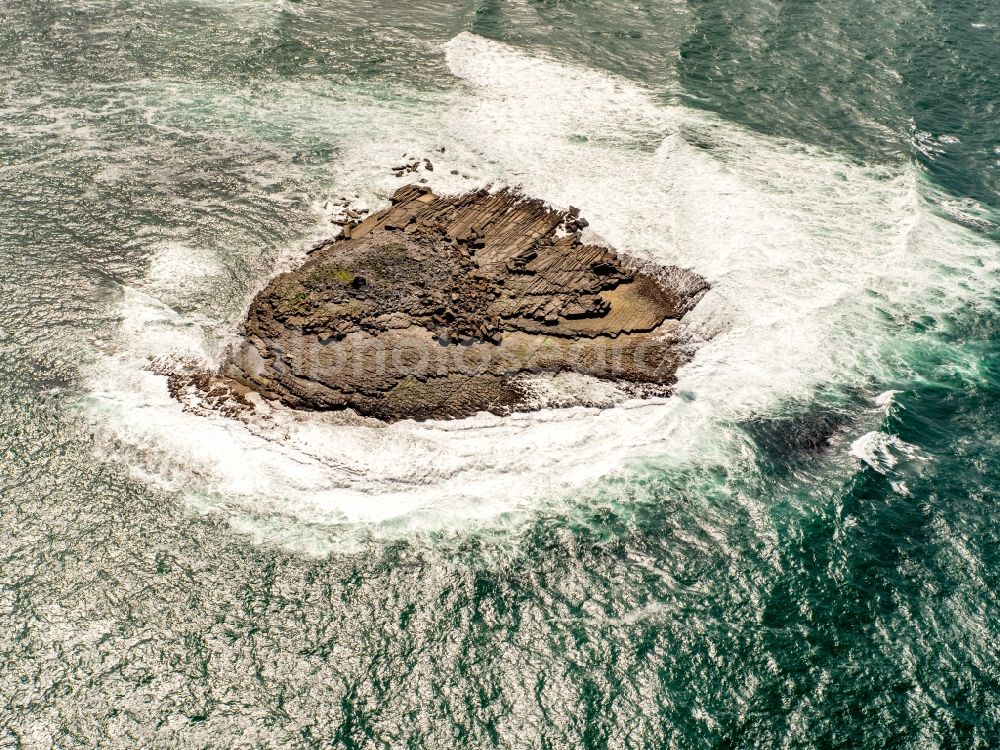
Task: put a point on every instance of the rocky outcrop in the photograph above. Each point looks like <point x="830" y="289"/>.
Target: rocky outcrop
<point x="438" y="307"/>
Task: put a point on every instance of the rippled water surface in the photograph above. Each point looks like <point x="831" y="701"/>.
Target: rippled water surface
<point x="799" y="550"/>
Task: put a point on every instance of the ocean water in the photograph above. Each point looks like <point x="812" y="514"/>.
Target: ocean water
<point x="801" y="549"/>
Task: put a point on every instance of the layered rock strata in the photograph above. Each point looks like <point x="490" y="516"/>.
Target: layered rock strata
<point x="440" y="307"/>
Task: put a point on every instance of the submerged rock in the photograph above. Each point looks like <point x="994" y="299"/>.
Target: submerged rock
<point x="438" y="307"/>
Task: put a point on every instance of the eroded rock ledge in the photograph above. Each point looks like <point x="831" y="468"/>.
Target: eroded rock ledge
<point x="438" y="307"/>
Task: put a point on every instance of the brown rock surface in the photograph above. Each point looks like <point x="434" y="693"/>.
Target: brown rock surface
<point x="437" y="306"/>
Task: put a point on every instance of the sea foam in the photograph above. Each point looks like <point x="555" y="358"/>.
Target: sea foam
<point x="816" y="262"/>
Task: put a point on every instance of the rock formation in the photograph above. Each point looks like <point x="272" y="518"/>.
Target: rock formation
<point x="439" y="307"/>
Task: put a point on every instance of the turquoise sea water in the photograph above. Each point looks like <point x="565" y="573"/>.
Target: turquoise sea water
<point x="799" y="550"/>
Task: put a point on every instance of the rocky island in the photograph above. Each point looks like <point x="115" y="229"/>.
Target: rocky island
<point x="440" y="307"/>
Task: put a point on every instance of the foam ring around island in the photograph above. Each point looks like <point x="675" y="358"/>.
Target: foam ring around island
<point x="796" y="243"/>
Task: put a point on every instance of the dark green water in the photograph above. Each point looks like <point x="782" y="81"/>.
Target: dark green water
<point x="800" y="550"/>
